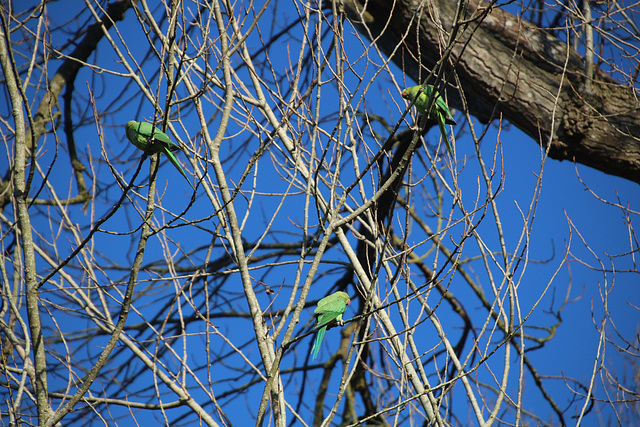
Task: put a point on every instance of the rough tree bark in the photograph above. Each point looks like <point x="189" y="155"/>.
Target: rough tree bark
<point x="505" y="65"/>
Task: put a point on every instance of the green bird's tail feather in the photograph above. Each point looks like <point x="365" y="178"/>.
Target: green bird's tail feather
<point x="316" y="343"/>
<point x="443" y="131"/>
<point x="174" y="161"/>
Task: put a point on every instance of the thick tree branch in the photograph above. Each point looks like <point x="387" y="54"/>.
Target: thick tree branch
<point x="25" y="231"/>
<point x="507" y="65"/>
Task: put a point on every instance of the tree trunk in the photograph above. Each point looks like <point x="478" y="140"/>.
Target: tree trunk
<point x="505" y="65"/>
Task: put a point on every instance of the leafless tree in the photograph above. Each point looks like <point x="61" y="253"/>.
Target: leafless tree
<point x="129" y="298"/>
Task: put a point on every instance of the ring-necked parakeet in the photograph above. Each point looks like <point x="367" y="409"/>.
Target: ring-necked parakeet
<point x="439" y="111"/>
<point x="152" y="140"/>
<point x="328" y="312"/>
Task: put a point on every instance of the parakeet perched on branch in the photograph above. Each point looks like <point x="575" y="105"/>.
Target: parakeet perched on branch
<point x="328" y="312"/>
<point x="152" y="140"/>
<point x="439" y="110"/>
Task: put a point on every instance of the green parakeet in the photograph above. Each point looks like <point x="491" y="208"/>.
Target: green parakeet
<point x="328" y="312"/>
<point x="439" y="111"/>
<point x="152" y="140"/>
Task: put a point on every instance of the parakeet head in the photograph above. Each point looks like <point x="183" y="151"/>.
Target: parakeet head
<point x="344" y="296"/>
<point x="131" y="124"/>
<point x="406" y="94"/>
<point x="412" y="92"/>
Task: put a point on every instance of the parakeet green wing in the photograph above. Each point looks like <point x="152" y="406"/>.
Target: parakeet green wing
<point x="328" y="311"/>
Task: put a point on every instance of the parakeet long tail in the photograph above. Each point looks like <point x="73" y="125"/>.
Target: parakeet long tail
<point x="316" y="343"/>
<point x="443" y="131"/>
<point x="175" y="163"/>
